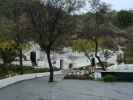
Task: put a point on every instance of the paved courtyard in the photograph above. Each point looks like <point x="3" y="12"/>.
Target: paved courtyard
<point x="40" y="89"/>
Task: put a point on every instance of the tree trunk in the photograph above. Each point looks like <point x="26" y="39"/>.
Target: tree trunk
<point x="21" y="60"/>
<point x="100" y="62"/>
<point x="51" y="77"/>
<point x="98" y="58"/>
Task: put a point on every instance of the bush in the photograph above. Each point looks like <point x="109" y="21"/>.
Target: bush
<point x="8" y="55"/>
<point x="109" y="78"/>
<point x="83" y="77"/>
<point x="41" y="70"/>
<point x="12" y="70"/>
<point x="79" y="77"/>
<point x="3" y="73"/>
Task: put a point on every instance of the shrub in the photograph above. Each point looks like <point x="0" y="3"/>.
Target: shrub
<point x="83" y="77"/>
<point x="3" y="73"/>
<point x="41" y="70"/>
<point x="109" y="78"/>
<point x="12" y="70"/>
<point x="8" y="55"/>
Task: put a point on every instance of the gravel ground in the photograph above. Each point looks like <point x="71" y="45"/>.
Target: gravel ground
<point x="40" y="89"/>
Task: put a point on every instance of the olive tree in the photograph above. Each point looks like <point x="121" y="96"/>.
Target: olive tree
<point x="98" y="26"/>
<point x="52" y="23"/>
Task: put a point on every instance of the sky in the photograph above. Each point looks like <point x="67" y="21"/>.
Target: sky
<point x="120" y="4"/>
<point x="115" y="5"/>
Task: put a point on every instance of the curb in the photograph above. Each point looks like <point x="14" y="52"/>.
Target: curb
<point x="12" y="80"/>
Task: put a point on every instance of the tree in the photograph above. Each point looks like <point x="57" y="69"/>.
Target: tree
<point x="83" y="45"/>
<point x="129" y="46"/>
<point x="15" y="13"/>
<point x="6" y="8"/>
<point x="8" y="51"/>
<point x="22" y="30"/>
<point x="123" y="19"/>
<point x="51" y="21"/>
<point x="98" y="26"/>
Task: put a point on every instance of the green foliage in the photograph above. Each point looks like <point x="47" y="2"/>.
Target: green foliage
<point x="6" y="27"/>
<point x="109" y="78"/>
<point x="6" y="8"/>
<point x="129" y="46"/>
<point x="3" y="73"/>
<point x="82" y="45"/>
<point x="12" y="70"/>
<point x="9" y="40"/>
<point x="8" y="51"/>
<point x="124" y="19"/>
<point x="108" y="43"/>
<point x="8" y="55"/>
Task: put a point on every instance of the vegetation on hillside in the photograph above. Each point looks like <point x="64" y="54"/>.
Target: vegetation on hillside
<point x="54" y="24"/>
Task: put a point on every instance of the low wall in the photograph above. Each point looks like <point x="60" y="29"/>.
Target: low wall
<point x="15" y="79"/>
<point x="121" y="76"/>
